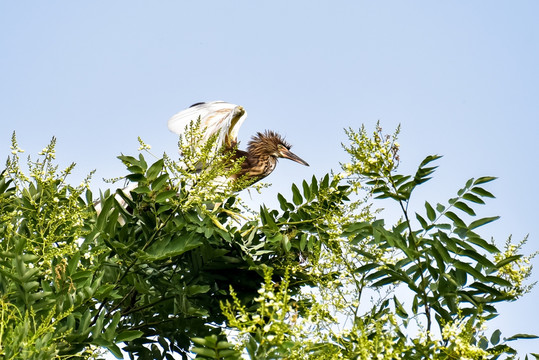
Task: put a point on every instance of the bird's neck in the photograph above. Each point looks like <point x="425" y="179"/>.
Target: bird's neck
<point x="259" y="166"/>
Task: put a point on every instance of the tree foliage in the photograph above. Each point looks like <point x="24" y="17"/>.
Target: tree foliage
<point x="177" y="266"/>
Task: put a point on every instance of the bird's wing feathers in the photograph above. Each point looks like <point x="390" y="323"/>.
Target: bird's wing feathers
<point x="217" y="117"/>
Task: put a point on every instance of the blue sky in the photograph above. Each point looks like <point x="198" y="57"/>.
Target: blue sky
<point x="461" y="77"/>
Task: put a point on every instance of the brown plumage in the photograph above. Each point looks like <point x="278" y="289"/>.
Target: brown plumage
<point x="224" y="119"/>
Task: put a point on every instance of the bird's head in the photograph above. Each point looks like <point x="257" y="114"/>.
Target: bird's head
<point x="272" y="144"/>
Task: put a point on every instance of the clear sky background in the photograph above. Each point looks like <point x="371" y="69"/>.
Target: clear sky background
<point x="462" y="77"/>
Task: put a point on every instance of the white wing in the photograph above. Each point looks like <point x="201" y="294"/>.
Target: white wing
<point x="216" y="117"/>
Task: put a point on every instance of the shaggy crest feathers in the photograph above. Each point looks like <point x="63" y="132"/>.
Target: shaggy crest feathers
<point x="266" y="143"/>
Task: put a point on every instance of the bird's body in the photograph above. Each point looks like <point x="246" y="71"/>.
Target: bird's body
<point x="224" y="119"/>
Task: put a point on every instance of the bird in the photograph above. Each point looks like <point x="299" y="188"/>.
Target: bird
<point x="223" y="120"/>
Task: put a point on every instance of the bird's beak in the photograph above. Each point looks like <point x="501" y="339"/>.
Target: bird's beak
<point x="287" y="154"/>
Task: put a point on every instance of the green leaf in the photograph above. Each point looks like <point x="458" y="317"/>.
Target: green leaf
<point x="296" y="195"/>
<point x="483" y="343"/>
<point x="464" y="207"/>
<point x="267" y="218"/>
<point x="161" y="197"/>
<point x="84" y="323"/>
<point x="431" y="214"/>
<point x="287" y="245"/>
<point x="440" y="208"/>
<point x="507" y="261"/>
<point x="466" y="296"/>
<point x="469" y="269"/>
<point x="377" y="274"/>
<point x="384" y="281"/>
<point x="285" y="205"/>
<point x="461" y="277"/>
<point x="205" y="352"/>
<point x="400" y="179"/>
<point x="196" y="289"/>
<point x="483" y="244"/>
<point x="155" y="169"/>
<point x="158" y="183"/>
<point x="481" y="222"/>
<point x="495" y="338"/>
<point x="428" y="159"/>
<point x="306" y="191"/>
<point x="522" y="336"/>
<point x="111" y="328"/>
<point x="135" y="169"/>
<point x="169" y="247"/>
<point x="129" y="160"/>
<point x="99" y="324"/>
<point x="141" y="190"/>
<point x="473" y="198"/>
<point x="365" y="268"/>
<point x="224" y="345"/>
<point x="499" y="281"/>
<point x="303" y="242"/>
<point x="442" y="251"/>
<point x="456" y="220"/>
<point x="115" y="350"/>
<point x="484" y="179"/>
<point x="478" y="257"/>
<point x="422" y="221"/>
<point x="142" y="162"/>
<point x="135" y="177"/>
<point x="482" y="192"/>
<point x="486" y="289"/>
<point x="129" y="335"/>
<point x="73" y="263"/>
<point x="324" y="184"/>
<point x="200" y="341"/>
<point x="314" y="186"/>
<point x="439" y="258"/>
<point x="399" y="309"/>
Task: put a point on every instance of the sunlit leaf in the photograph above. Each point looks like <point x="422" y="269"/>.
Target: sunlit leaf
<point x="521" y="336"/>
<point x="481" y="222"/>
<point x="306" y="190"/>
<point x="296" y="195"/>
<point x="440" y="208"/>
<point x="499" y="281"/>
<point x="161" y="197"/>
<point x="365" y="268"/>
<point x="473" y="198"/>
<point x="422" y="221"/>
<point x="464" y="207"/>
<point x="495" y="338"/>
<point x="508" y="260"/>
<point x="469" y="269"/>
<point x="431" y="214"/>
<point x="484" y="179"/>
<point x="456" y="220"/>
<point x="283" y="202"/>
<point x="482" y="192"/>
<point x="155" y="169"/>
<point x="115" y="350"/>
<point x="159" y="182"/>
<point x="478" y="257"/>
<point x="399" y="309"/>
<point x="314" y="186"/>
